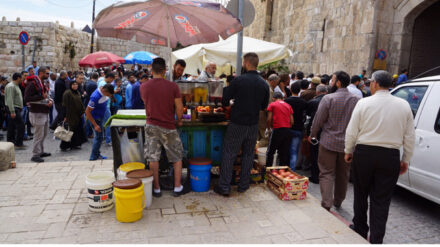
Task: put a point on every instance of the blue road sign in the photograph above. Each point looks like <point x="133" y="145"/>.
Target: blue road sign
<point x="23" y="37"/>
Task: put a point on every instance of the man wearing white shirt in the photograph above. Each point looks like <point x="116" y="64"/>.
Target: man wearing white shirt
<point x="353" y="87"/>
<point x="379" y="127"/>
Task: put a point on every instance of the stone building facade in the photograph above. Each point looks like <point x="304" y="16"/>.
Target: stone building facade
<point x="330" y="35"/>
<point x="58" y="46"/>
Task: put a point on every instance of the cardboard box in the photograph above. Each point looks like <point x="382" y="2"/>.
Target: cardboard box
<point x="286" y="196"/>
<point x="286" y="184"/>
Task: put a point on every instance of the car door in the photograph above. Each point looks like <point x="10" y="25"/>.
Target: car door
<point x="425" y="167"/>
<point x="414" y="94"/>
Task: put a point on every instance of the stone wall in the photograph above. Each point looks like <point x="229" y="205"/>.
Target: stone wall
<point x="51" y="40"/>
<point x="330" y="35"/>
<point x="123" y="47"/>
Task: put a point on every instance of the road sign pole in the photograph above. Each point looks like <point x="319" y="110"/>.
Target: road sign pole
<point x="239" y="39"/>
<point x="22" y="58"/>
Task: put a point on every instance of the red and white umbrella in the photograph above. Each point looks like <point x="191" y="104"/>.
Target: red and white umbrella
<point x="167" y="22"/>
<point x="100" y="59"/>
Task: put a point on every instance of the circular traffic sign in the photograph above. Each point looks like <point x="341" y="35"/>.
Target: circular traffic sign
<point x="23" y="37"/>
<point x="381" y="54"/>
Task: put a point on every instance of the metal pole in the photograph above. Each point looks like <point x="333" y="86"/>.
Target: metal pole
<point x="22" y="58"/>
<point x="35" y="47"/>
<point x="240" y="39"/>
<point x="93" y="28"/>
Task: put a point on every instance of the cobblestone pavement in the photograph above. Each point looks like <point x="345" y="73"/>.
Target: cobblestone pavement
<point x="412" y="219"/>
<point x="47" y="203"/>
<point x="53" y="146"/>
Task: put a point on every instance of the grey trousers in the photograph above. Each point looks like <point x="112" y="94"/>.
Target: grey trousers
<point x="238" y="137"/>
<point x="333" y="177"/>
<point x="40" y="122"/>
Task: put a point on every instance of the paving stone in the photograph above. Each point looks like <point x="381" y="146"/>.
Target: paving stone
<point x="53" y="216"/>
<point x="188" y="239"/>
<point x="279" y="239"/>
<point x="190" y="203"/>
<point x="21" y="236"/>
<point x="218" y="238"/>
<point x="310" y="231"/>
<point x="55" y="230"/>
<point x="85" y="221"/>
<point x="166" y="211"/>
<point x="3" y="237"/>
<point x="217" y="221"/>
<point x="62" y="240"/>
<point x="162" y="202"/>
<point x="231" y="219"/>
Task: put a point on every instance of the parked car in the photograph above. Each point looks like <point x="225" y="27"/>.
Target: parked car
<point x="423" y="176"/>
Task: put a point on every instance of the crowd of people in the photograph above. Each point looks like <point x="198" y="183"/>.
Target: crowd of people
<point x="319" y="122"/>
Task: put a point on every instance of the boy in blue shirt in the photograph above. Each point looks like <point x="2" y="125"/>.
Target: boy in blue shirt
<point x="95" y="113"/>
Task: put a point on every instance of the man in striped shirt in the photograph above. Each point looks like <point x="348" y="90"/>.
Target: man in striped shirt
<point x="333" y="115"/>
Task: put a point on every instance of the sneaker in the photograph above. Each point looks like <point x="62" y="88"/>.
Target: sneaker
<point x="102" y="157"/>
<point x="37" y="159"/>
<point x="157" y="195"/>
<point x="182" y="192"/>
<point x="45" y="155"/>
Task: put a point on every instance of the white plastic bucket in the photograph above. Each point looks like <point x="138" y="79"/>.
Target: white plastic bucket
<point x="262" y="157"/>
<point x="100" y="191"/>
<point x="148" y="190"/>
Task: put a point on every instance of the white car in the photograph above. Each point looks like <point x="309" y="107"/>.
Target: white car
<point x="423" y="176"/>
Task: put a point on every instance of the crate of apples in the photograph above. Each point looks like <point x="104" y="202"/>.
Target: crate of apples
<point x="286" y="179"/>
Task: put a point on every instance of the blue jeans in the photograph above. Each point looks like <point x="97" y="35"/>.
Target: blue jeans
<point x="107" y="115"/>
<point x="88" y="128"/>
<point x="294" y="147"/>
<point x="97" y="141"/>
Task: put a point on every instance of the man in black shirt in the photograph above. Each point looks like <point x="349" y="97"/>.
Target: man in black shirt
<point x="312" y="108"/>
<point x="60" y="88"/>
<point x="250" y="94"/>
<point x="299" y="107"/>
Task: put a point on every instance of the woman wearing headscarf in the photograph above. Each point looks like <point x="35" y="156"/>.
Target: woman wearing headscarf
<point x="74" y="107"/>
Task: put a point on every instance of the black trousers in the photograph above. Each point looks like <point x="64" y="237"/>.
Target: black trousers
<point x="314" y="152"/>
<point x="375" y="174"/>
<point x="238" y="137"/>
<point x="60" y="116"/>
<point x="16" y="128"/>
<point x="280" y="140"/>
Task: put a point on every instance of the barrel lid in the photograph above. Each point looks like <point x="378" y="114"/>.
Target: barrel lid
<point x="200" y="161"/>
<point x="140" y="173"/>
<point x="127" y="184"/>
<point x="131" y="166"/>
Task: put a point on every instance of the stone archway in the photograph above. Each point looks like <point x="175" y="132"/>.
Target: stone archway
<point x="425" y="49"/>
<point x="406" y="19"/>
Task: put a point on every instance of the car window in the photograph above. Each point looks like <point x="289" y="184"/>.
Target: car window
<point x="412" y="94"/>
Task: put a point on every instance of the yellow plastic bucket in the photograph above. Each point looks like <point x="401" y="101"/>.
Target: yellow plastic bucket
<point x="128" y="167"/>
<point x="129" y="204"/>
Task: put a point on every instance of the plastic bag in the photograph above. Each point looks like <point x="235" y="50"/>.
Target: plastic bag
<point x="132" y="150"/>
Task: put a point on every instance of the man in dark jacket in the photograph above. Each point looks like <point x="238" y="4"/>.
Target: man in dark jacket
<point x="60" y="88"/>
<point x="312" y="108"/>
<point x="37" y="96"/>
<point x="250" y="94"/>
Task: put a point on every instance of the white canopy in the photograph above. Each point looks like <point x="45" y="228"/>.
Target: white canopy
<point x="225" y="52"/>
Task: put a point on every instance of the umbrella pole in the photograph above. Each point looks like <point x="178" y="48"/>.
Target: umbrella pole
<point x="169" y="45"/>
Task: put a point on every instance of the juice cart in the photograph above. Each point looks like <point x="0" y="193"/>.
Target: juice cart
<point x="200" y="140"/>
